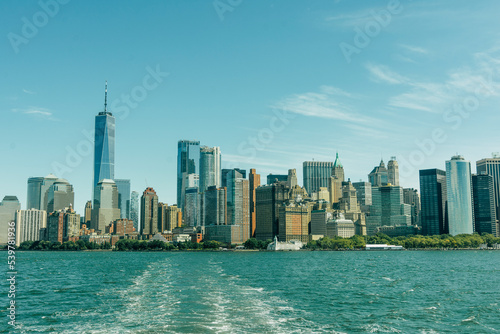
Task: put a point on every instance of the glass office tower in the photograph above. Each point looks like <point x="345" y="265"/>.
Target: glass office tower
<point x="210" y="168"/>
<point x="459" y="191"/>
<point x="433" y="201"/>
<point x="188" y="159"/>
<point x="104" y="146"/>
<point x="123" y="186"/>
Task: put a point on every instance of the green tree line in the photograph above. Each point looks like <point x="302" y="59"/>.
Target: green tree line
<point x="409" y="242"/>
<point x="121" y="245"/>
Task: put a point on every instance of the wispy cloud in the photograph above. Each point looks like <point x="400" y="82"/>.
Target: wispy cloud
<point x="36" y="112"/>
<point x="414" y="49"/>
<point x="327" y="103"/>
<point x="380" y="73"/>
<point x="479" y="80"/>
<point x="28" y="91"/>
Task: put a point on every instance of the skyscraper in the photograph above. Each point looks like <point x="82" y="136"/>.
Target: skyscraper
<point x="433" y="201"/>
<point x="459" y="194"/>
<point x="491" y="166"/>
<point x="188" y="159"/>
<point x="215" y="203"/>
<point x="364" y="193"/>
<point x="393" y="172"/>
<point x="316" y="174"/>
<point x="387" y="209"/>
<point x="123" y="187"/>
<point x="192" y="207"/>
<point x="34" y="200"/>
<point x="411" y="197"/>
<point x="149" y="212"/>
<point x="60" y="195"/>
<point x="8" y="208"/>
<point x="104" y="146"/>
<point x="28" y="224"/>
<point x="134" y="209"/>
<point x="268" y="200"/>
<point x="105" y="209"/>
<point x="47" y="182"/>
<point x="254" y="183"/>
<point x="379" y="176"/>
<point x="88" y="214"/>
<point x="483" y="193"/>
<point x="335" y="186"/>
<point x="292" y="178"/>
<point x="210" y="168"/>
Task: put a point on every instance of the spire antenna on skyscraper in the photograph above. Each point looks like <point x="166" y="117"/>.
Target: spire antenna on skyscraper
<point x="106" y="97"/>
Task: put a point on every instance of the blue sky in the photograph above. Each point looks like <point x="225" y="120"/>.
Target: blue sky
<point x="270" y="82"/>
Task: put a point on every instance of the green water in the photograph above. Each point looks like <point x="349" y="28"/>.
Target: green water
<point x="257" y="292"/>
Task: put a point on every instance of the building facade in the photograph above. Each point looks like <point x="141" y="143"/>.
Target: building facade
<point x="393" y="172"/>
<point x="188" y="162"/>
<point x="28" y="224"/>
<point x="434" y="202"/>
<point x="210" y="168"/>
<point x="459" y="195"/>
<point x="149" y="212"/>
<point x="316" y="174"/>
<point x="253" y="184"/>
<point x="123" y="186"/>
<point x="105" y="208"/>
<point x="104" y="146"/>
<point x="60" y="195"/>
<point x="134" y="209"/>
<point x="483" y="194"/>
<point x="8" y="208"/>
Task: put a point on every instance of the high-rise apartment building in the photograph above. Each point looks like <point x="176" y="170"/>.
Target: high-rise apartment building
<point x="459" y="195"/>
<point x="104" y="146"/>
<point x="28" y="224"/>
<point x="134" y="209"/>
<point x="433" y="202"/>
<point x="149" y="212"/>
<point x="188" y="162"/>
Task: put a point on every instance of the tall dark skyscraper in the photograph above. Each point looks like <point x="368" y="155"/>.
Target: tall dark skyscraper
<point x="433" y="198"/>
<point x="485" y="218"/>
<point x="491" y="166"/>
<point x="104" y="145"/>
<point x="188" y="161"/>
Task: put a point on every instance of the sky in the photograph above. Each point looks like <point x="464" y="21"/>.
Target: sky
<point x="272" y="83"/>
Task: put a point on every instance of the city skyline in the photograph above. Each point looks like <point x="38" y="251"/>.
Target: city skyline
<point x="400" y="88"/>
